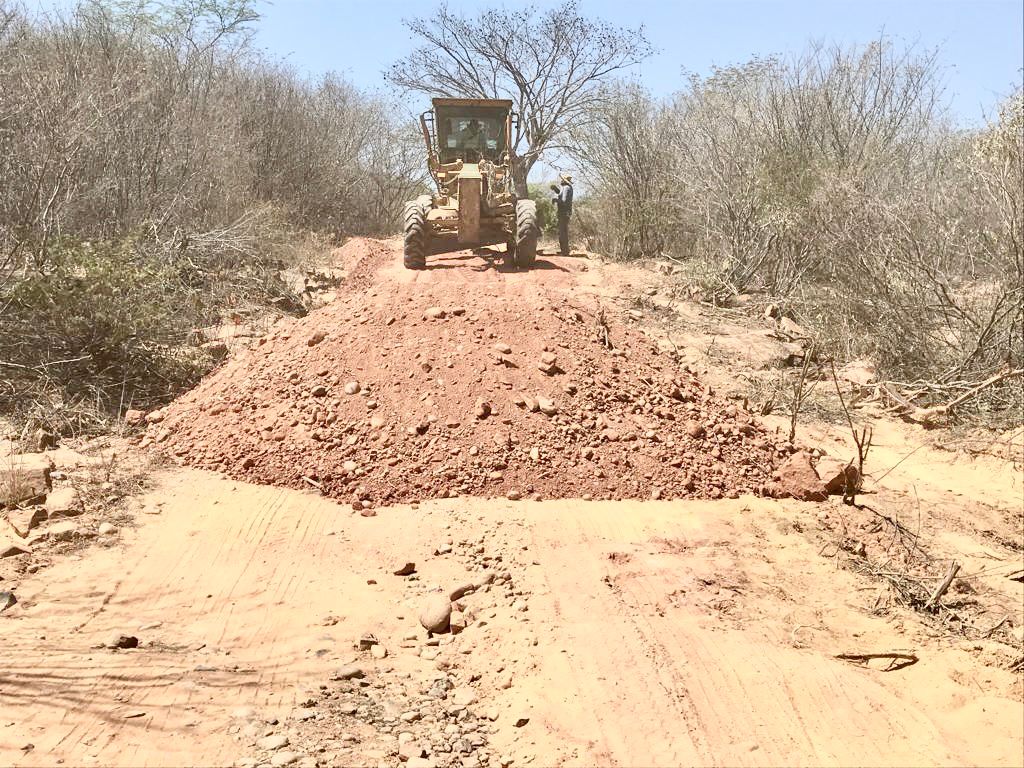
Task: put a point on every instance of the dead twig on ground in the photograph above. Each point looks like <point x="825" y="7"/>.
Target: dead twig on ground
<point x="800" y="391"/>
<point x="954" y="569"/>
<point x="862" y="439"/>
<point x="897" y="659"/>
<point x="313" y="482"/>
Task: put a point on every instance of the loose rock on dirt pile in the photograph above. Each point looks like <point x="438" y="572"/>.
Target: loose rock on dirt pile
<point x="411" y="388"/>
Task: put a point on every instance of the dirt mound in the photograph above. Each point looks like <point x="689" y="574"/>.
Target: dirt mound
<point x="466" y="380"/>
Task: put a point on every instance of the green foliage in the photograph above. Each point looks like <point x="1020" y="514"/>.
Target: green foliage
<point x="547" y="216"/>
<point x="105" y="322"/>
<point x="112" y="324"/>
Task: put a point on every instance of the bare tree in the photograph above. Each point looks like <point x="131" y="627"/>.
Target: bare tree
<point x="552" y="66"/>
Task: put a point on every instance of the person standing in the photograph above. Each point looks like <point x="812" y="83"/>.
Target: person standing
<point x="563" y="206"/>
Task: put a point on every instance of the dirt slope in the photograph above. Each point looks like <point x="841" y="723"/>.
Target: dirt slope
<point x="467" y="379"/>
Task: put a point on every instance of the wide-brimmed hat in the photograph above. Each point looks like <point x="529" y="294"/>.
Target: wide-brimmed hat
<point x="566" y="178"/>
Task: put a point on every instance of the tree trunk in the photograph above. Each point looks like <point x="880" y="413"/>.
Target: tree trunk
<point x="520" y="171"/>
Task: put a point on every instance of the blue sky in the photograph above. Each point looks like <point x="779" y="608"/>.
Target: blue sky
<point x="982" y="41"/>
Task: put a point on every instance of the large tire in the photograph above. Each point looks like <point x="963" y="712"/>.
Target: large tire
<point x="510" y="253"/>
<point x="527" y="233"/>
<point x="414" y="220"/>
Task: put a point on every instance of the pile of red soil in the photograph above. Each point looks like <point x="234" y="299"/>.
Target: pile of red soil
<point x="412" y="388"/>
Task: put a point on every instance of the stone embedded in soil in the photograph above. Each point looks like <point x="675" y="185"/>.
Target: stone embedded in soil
<point x="405" y="568"/>
<point x="411" y="749"/>
<point x="284" y="758"/>
<point x="272" y="742"/>
<point x="546" y="406"/>
<point x="123" y="642"/>
<point x="352" y="388"/>
<point x="349" y="672"/>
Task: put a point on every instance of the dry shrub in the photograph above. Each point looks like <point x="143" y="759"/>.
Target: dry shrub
<point x="154" y="171"/>
<point x="834" y="182"/>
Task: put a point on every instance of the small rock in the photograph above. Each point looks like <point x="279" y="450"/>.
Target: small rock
<point x="123" y="641"/>
<point x="63" y="531"/>
<point x="106" y="529"/>
<point x="405" y="568"/>
<point x="367" y="641"/>
<point x="319" y="391"/>
<point x="694" y="429"/>
<point x="7" y="599"/>
<point x="521" y="721"/>
<point x="483" y="409"/>
<point x="379" y="652"/>
<point x="434" y="313"/>
<point x="134" y="416"/>
<point x="547" y="407"/>
<point x="410" y="749"/>
<point x="798" y="479"/>
<point x="444" y="549"/>
<point x="504" y="349"/>
<point x="461" y="591"/>
<point x="836" y="475"/>
<point x="457" y="622"/>
<point x="436" y="612"/>
<point x="11" y="544"/>
<point x="316" y="338"/>
<point x="353" y="388"/>
<point x="24" y="519"/>
<point x="349" y="672"/>
<point x="463" y="697"/>
<point x="284" y="758"/>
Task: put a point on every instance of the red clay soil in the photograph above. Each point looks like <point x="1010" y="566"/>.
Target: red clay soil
<point x="465" y="379"/>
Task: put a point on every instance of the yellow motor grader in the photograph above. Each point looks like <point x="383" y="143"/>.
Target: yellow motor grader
<point x="469" y="155"/>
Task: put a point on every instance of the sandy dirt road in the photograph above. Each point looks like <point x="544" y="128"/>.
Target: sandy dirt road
<point x="627" y="633"/>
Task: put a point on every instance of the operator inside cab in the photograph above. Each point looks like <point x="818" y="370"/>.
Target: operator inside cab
<point x="473" y="136"/>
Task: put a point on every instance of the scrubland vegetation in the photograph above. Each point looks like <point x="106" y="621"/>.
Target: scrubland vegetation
<point x="157" y="173"/>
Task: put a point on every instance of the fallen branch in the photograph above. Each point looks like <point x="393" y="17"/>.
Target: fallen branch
<point x="940" y="590"/>
<point x="314" y="483"/>
<point x="932" y="415"/>
<point x="897" y="659"/>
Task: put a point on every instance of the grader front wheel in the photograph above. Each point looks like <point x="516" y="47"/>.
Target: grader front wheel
<point x="415" y="226"/>
<point x="527" y="234"/>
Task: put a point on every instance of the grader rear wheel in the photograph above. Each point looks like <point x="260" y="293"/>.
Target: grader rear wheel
<point x="527" y="233"/>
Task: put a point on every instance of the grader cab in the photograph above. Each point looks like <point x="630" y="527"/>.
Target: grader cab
<point x="469" y="156"/>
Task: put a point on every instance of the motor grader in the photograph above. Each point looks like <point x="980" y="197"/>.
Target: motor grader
<point x="469" y="156"/>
